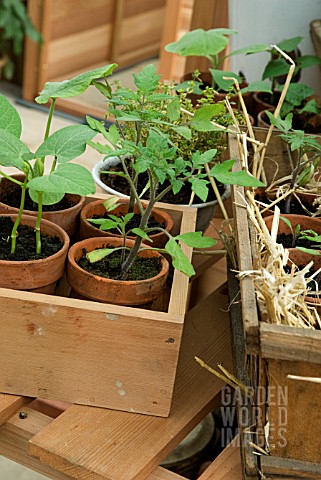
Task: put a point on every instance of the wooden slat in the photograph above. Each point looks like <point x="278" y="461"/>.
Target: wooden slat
<point x="173" y="21"/>
<point x="290" y="343"/>
<point x="241" y="227"/>
<point x="284" y="469"/>
<point x="130" y="446"/>
<point x="9" y="404"/>
<point x="16" y="433"/>
<point x="227" y="466"/>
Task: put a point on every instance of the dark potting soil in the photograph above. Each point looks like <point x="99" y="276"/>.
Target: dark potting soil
<point x="133" y="223"/>
<point x="26" y="243"/>
<point x="109" y="267"/>
<point x="121" y="185"/>
<point x="287" y="241"/>
<point x="11" y="196"/>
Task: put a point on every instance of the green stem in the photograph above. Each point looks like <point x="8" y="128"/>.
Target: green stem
<point x="8" y="177"/>
<point x="52" y="108"/>
<point x="18" y="219"/>
<point x="38" y="223"/>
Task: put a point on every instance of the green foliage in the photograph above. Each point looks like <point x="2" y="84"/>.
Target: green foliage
<point x="15" y="24"/>
<point x="75" y="86"/>
<point x="155" y="138"/>
<point x="9" y="117"/>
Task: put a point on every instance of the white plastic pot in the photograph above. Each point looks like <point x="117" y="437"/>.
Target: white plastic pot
<point x="205" y="211"/>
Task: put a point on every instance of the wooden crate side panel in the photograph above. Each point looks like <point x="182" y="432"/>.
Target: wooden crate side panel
<point x="289" y="343"/>
<point x="294" y="411"/>
<point x="65" y="352"/>
<point x="135" y="7"/>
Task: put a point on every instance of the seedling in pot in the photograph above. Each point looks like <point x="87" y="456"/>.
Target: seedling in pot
<point x="62" y="146"/>
<point x="308" y="235"/>
<point x="211" y="45"/>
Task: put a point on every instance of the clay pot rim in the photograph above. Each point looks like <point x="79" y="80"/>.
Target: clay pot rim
<point x="81" y="244"/>
<point x="169" y="222"/>
<point x="64" y="237"/>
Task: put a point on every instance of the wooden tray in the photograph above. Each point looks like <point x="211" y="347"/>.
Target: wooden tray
<point x="92" y="353"/>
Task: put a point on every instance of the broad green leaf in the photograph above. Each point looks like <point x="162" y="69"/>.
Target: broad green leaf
<point x="200" y="43"/>
<point x="67" y="143"/>
<point x="221" y="171"/>
<point x="105" y="149"/>
<point x="179" y="259"/>
<point x="208" y="111"/>
<point x="12" y="150"/>
<point x="108" y="224"/>
<point x="260" y="47"/>
<point x="140" y="233"/>
<point x="297" y="93"/>
<point x="147" y="80"/>
<point x="219" y="75"/>
<point x="258" y="86"/>
<point x="289" y="44"/>
<point x="67" y="178"/>
<point x="205" y="157"/>
<point x="9" y="117"/>
<point x="173" y="109"/>
<point x="200" y="188"/>
<point x="276" y="68"/>
<point x="75" y="86"/>
<point x="196" y="240"/>
<point x="307" y="61"/>
<point x="185" y="132"/>
<point x="130" y="117"/>
<point x="99" y="254"/>
<point x="310" y="107"/>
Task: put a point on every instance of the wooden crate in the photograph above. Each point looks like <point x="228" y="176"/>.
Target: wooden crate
<point x="279" y="351"/>
<point x="92" y="353"/>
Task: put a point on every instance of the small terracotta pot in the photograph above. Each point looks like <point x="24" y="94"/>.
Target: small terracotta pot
<point x="36" y="275"/>
<point x="263" y="120"/>
<point x="88" y="230"/>
<point x="66" y="219"/>
<point x="305" y="222"/>
<point x="106" y="290"/>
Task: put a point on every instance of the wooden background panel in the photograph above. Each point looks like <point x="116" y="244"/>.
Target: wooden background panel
<point x="79" y="51"/>
<point x="136" y="7"/>
<point x="67" y="20"/>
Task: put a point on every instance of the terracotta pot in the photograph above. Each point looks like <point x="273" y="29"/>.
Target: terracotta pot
<point x="305" y="222"/>
<point x="88" y="230"/>
<point x="261" y="101"/>
<point x="36" y="275"/>
<point x="106" y="290"/>
<point x="263" y="120"/>
<point x="66" y="219"/>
